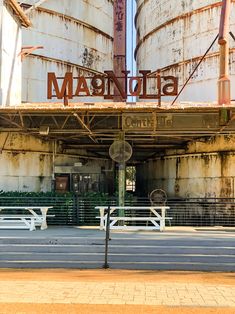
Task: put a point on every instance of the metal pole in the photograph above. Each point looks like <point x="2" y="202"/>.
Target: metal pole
<point x="121" y="187"/>
<point x="121" y="182"/>
<point x="224" y="97"/>
<point x="106" y="265"/>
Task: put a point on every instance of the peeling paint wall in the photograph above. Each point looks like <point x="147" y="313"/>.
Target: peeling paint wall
<point x="76" y="36"/>
<point x="10" y="61"/>
<point x="173" y="36"/>
<point x="205" y="169"/>
<point x="27" y="163"/>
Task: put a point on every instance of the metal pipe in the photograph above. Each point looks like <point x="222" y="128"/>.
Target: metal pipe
<point x="224" y="22"/>
<point x="119" y="43"/>
<point x="224" y="94"/>
<point x="85" y="127"/>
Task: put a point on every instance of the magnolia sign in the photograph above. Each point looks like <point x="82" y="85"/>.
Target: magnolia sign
<point x="108" y="85"/>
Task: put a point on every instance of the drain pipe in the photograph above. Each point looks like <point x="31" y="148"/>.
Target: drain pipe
<point x="224" y="97"/>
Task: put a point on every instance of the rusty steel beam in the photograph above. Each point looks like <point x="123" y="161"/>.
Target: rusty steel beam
<point x="119" y="43"/>
<point x="25" y="51"/>
<point x="85" y="127"/>
<point x="224" y="93"/>
<point x="33" y="7"/>
<point x="21" y="119"/>
<point x="19" y="12"/>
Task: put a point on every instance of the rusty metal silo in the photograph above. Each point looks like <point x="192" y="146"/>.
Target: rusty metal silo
<point x="172" y="36"/>
<point x="76" y="35"/>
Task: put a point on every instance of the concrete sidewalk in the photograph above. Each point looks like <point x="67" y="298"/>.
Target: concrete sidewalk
<point x="65" y="291"/>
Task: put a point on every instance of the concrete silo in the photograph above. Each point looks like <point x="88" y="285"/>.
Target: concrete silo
<point x="172" y="36"/>
<point x="76" y="35"/>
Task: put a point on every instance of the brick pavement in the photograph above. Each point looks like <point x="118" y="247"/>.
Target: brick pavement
<point x="145" y="292"/>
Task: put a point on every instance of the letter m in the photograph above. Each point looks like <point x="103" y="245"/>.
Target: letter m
<point x="66" y="88"/>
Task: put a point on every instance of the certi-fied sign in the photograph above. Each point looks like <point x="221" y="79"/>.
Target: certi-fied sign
<point x="146" y="121"/>
<point x="108" y="85"/>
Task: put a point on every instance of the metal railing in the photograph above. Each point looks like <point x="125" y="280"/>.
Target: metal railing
<point x="76" y="210"/>
<point x="64" y="207"/>
<point x="184" y="212"/>
<point x="202" y="212"/>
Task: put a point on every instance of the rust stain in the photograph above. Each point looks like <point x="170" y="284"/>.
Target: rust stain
<point x="64" y="63"/>
<point x="42" y="160"/>
<point x="192" y="60"/>
<point x="207" y="160"/>
<point x="226" y="188"/>
<point x="72" y="19"/>
<point x="224" y="163"/>
<point x="13" y="159"/>
<point x="89" y="57"/>
<point x="180" y="17"/>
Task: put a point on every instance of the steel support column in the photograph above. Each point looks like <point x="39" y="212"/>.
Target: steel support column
<point x="224" y="97"/>
<point x="119" y="43"/>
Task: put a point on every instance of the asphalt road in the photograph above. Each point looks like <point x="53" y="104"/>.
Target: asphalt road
<point x="211" y="249"/>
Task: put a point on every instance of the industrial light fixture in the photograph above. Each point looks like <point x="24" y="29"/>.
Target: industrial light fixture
<point x="43" y="130"/>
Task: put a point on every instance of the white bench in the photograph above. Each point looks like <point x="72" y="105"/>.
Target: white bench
<point x="23" y="221"/>
<point x="18" y="222"/>
<point x="157" y="221"/>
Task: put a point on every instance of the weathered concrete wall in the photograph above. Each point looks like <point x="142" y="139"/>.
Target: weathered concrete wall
<point x="205" y="169"/>
<point x="25" y="163"/>
<point x="10" y="62"/>
<point x="28" y="163"/>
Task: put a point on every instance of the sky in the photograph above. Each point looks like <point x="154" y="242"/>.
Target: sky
<point x="131" y="38"/>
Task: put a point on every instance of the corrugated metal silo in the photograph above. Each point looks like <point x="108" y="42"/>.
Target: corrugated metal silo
<point x="173" y="36"/>
<point x="77" y="36"/>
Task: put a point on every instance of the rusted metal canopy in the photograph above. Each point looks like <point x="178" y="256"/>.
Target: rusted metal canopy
<point x="19" y="13"/>
<point x="149" y="129"/>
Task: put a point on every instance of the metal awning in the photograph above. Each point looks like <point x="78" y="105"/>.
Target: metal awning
<point x="93" y="126"/>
